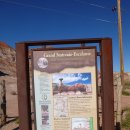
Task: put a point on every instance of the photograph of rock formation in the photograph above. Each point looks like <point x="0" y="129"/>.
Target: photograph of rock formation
<point x="72" y="83"/>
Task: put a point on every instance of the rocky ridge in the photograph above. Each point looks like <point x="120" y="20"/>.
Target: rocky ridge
<point x="7" y="59"/>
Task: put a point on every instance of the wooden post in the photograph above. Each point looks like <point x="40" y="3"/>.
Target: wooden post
<point x="4" y="100"/>
<point x="121" y="86"/>
<point x="3" y="103"/>
<point x="120" y="42"/>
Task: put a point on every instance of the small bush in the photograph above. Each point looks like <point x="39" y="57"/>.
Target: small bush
<point x="13" y="93"/>
<point x="17" y="121"/>
<point x="127" y="84"/>
<point x="125" y="93"/>
<point x="126" y="121"/>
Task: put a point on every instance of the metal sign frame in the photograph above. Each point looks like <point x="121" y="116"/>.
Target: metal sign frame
<point x="106" y="67"/>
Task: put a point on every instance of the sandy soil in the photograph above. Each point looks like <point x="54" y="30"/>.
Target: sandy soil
<point x="12" y="103"/>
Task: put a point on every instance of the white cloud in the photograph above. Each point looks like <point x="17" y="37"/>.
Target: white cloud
<point x="67" y="78"/>
<point x="85" y="79"/>
<point x="79" y="75"/>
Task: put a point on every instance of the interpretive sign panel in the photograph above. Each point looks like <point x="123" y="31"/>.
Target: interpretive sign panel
<point x="65" y="89"/>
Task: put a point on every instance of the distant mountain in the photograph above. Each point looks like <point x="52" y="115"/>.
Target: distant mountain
<point x="7" y="59"/>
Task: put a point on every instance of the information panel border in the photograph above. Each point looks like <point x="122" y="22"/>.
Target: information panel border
<point x="58" y="49"/>
<point x="106" y="64"/>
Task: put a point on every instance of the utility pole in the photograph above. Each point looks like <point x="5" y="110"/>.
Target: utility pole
<point x="121" y="80"/>
<point x="120" y="42"/>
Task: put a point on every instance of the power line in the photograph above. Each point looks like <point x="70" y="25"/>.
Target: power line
<point x="91" y="4"/>
<point x="104" y="20"/>
<point x="30" y="5"/>
<point x="113" y="8"/>
<point x="55" y="10"/>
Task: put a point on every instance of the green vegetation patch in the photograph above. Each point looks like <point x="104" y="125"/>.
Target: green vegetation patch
<point x="125" y="93"/>
<point x="127" y="84"/>
<point x="126" y="121"/>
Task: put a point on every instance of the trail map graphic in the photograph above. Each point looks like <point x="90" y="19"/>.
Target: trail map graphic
<point x="60" y="106"/>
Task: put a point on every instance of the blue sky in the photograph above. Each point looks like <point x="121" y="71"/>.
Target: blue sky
<point x="25" y="20"/>
<point x="73" y="78"/>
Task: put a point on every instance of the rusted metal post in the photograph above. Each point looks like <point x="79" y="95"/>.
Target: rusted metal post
<point x="107" y="85"/>
<point x="23" y="87"/>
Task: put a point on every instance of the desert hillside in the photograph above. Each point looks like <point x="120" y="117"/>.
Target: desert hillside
<point x="7" y="59"/>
